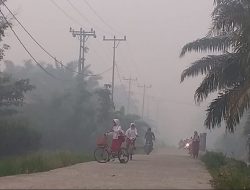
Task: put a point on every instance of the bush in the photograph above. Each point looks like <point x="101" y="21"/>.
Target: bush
<point x="16" y="137"/>
<point x="227" y="173"/>
<point x="214" y="160"/>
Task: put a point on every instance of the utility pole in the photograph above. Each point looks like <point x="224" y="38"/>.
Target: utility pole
<point x="130" y="80"/>
<point x="83" y="37"/>
<point x="115" y="45"/>
<point x="144" y="93"/>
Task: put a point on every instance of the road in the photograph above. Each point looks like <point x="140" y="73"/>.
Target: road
<point x="165" y="169"/>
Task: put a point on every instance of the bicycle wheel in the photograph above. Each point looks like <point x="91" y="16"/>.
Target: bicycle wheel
<point x="123" y="155"/>
<point x="101" y="155"/>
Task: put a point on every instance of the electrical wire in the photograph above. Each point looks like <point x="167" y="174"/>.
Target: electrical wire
<point x="98" y="16"/>
<point x="82" y="15"/>
<point x="134" y="62"/>
<point x="78" y="11"/>
<point x="64" y="12"/>
<point x="20" y="41"/>
<point x="47" y="52"/>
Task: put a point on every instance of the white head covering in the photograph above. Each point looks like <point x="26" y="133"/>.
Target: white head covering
<point x="132" y="124"/>
<point x="117" y="122"/>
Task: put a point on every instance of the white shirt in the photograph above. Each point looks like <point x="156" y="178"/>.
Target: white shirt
<point x="131" y="133"/>
<point x="117" y="130"/>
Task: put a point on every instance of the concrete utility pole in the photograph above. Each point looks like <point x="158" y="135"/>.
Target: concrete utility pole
<point x="83" y="37"/>
<point x="130" y="80"/>
<point x="115" y="40"/>
<point x="144" y="93"/>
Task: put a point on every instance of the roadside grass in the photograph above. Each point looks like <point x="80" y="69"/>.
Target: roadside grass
<point x="227" y="173"/>
<point x="40" y="162"/>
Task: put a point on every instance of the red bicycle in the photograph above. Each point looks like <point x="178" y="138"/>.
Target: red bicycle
<point x="104" y="154"/>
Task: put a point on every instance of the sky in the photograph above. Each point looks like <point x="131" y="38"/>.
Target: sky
<point x="156" y="30"/>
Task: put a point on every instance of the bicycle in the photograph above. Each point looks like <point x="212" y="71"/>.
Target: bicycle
<point x="131" y="147"/>
<point x="104" y="154"/>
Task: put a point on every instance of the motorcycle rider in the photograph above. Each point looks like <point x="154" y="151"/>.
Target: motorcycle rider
<point x="131" y="135"/>
<point x="150" y="137"/>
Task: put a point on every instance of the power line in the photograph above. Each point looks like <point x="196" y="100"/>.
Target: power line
<point x="97" y="15"/>
<point x="20" y="41"/>
<point x="49" y="54"/>
<point x="46" y="51"/>
<point x="64" y="12"/>
<point x="78" y="11"/>
<point x="83" y="16"/>
<point x="135" y="63"/>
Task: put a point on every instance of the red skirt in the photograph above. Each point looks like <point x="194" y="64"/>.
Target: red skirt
<point x="116" y="145"/>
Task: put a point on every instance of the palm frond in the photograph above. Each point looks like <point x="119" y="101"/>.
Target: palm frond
<point x="216" y="111"/>
<point x="229" y="15"/>
<point x="230" y="106"/>
<point x="225" y="77"/>
<point x="204" y="65"/>
<point x="239" y="103"/>
<point x="209" y="44"/>
<point x="229" y="75"/>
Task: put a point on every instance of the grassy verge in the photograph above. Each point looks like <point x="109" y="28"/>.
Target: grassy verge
<point x="39" y="162"/>
<point x="227" y="173"/>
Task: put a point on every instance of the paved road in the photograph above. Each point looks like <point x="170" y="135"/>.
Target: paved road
<point x="165" y="169"/>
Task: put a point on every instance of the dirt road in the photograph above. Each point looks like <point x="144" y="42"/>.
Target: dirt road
<point x="165" y="169"/>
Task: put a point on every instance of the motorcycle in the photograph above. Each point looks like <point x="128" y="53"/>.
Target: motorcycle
<point x="148" y="148"/>
<point x="188" y="147"/>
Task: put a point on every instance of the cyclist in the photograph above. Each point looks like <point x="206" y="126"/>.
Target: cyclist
<point x="118" y="136"/>
<point x="131" y="135"/>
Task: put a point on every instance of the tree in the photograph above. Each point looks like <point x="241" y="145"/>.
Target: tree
<point x="12" y="93"/>
<point x="16" y="136"/>
<point x="3" y="26"/>
<point x="228" y="73"/>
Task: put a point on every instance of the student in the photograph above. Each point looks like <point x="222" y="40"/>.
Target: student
<point x="131" y="135"/>
<point x="118" y="136"/>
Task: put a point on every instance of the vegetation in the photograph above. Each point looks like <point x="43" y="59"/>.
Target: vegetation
<point x="68" y="113"/>
<point x="62" y="115"/>
<point x="227" y="173"/>
<point x="229" y="72"/>
<point x="39" y="162"/>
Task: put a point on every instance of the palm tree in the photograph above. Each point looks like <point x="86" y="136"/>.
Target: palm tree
<point x="227" y="73"/>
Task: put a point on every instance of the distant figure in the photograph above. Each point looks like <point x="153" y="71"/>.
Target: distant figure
<point x="149" y="136"/>
<point x="196" y="145"/>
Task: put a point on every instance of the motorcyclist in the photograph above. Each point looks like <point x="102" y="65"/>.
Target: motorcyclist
<point x="150" y="137"/>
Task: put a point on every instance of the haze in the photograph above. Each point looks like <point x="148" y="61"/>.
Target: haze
<point x="156" y="30"/>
